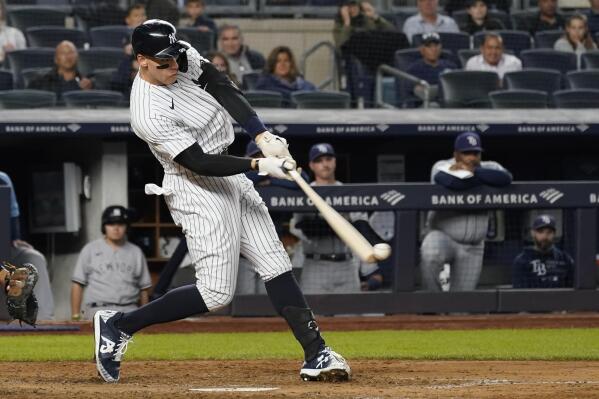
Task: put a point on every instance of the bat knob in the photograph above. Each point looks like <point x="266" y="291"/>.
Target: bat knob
<point x="382" y="251"/>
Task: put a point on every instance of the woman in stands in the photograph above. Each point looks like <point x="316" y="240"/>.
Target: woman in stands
<point x="577" y="38"/>
<point x="478" y="18"/>
<point x="282" y="75"/>
<point x="10" y="38"/>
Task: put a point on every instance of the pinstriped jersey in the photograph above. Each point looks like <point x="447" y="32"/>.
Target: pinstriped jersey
<point x="172" y="118"/>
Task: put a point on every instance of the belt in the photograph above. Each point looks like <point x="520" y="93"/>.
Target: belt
<point x="329" y="257"/>
<point x="102" y="304"/>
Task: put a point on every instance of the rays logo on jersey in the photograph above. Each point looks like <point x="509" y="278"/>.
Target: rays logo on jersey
<point x="172" y="39"/>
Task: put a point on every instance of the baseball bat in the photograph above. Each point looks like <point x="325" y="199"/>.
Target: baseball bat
<point x="346" y="232"/>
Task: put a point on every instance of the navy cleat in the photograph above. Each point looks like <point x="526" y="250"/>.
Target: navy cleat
<point x="110" y="345"/>
<point x="326" y="366"/>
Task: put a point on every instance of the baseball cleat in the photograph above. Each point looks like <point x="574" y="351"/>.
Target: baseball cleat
<point x="326" y="366"/>
<point x="110" y="344"/>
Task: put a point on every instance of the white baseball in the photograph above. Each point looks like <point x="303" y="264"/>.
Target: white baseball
<point x="382" y="251"/>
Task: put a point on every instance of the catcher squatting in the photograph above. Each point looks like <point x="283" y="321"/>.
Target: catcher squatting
<point x="180" y="106"/>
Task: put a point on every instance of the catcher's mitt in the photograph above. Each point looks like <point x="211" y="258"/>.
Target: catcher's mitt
<point x="19" y="282"/>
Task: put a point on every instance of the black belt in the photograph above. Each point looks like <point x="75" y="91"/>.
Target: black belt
<point x="102" y="305"/>
<point x="329" y="257"/>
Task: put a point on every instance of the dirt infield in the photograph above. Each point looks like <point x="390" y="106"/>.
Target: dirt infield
<point x="373" y="379"/>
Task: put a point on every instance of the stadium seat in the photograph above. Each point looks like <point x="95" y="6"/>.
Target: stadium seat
<point x="23" y="18"/>
<point x="29" y="58"/>
<point x="549" y="59"/>
<point x="99" y="58"/>
<point x="518" y="99"/>
<point x="547" y="80"/>
<point x="201" y="41"/>
<point x="452" y="41"/>
<point x="30" y="74"/>
<point x="521" y="19"/>
<point x="6" y="80"/>
<point x="50" y="36"/>
<point x="249" y="80"/>
<point x="264" y="98"/>
<point x="92" y="98"/>
<point x="588" y="79"/>
<point x="590" y="60"/>
<point x="547" y="38"/>
<point x="102" y="78"/>
<point x="583" y="98"/>
<point x="466" y="54"/>
<point x="320" y="99"/>
<point x="110" y="36"/>
<point x="468" y="89"/>
<point x="517" y="41"/>
<point x="14" y="99"/>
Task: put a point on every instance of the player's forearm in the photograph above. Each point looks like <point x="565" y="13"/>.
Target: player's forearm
<point x="448" y="181"/>
<point x="492" y="177"/>
<point x="143" y="297"/>
<point x="194" y="159"/>
<point x="76" y="294"/>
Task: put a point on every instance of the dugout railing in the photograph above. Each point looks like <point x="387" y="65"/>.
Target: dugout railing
<point x="406" y="201"/>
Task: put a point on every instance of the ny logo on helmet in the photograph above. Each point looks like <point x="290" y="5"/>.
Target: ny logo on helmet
<point x="471" y="140"/>
<point x="172" y="39"/>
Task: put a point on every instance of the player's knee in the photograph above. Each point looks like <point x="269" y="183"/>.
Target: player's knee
<point x="217" y="299"/>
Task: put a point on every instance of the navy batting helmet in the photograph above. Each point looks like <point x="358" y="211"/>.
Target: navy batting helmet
<point x="157" y="38"/>
<point x="115" y="214"/>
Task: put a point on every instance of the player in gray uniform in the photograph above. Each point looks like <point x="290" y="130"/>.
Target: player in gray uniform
<point x="458" y="237"/>
<point x="180" y="106"/>
<point x="111" y="272"/>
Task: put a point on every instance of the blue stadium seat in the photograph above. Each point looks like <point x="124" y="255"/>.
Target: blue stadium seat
<point x="587" y="79"/>
<point x="546" y="80"/>
<point x="583" y="98"/>
<point x="465" y="54"/>
<point x="30" y="74"/>
<point x="249" y="80"/>
<point x="264" y="98"/>
<point x="468" y="89"/>
<point x="23" y="18"/>
<point x="29" y="58"/>
<point x="110" y="36"/>
<point x="92" y="98"/>
<point x="452" y="41"/>
<point x="321" y="99"/>
<point x="15" y="99"/>
<point x="50" y="36"/>
<point x="6" y="80"/>
<point x="547" y="38"/>
<point x="502" y="99"/>
<point x="103" y="78"/>
<point x="520" y="19"/>
<point x="99" y="58"/>
<point x="549" y="59"/>
<point x="590" y="60"/>
<point x="517" y="41"/>
<point x="201" y="41"/>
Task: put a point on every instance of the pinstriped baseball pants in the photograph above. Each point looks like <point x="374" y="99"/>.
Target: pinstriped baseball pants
<point x="221" y="218"/>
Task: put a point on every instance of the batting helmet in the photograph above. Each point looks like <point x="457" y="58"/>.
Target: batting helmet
<point x="157" y="38"/>
<point x="115" y="214"/>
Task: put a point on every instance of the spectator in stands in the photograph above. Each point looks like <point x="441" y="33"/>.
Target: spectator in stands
<point x="592" y="15"/>
<point x="64" y="76"/>
<point x="458" y="237"/>
<point x="163" y="9"/>
<point x="241" y="59"/>
<point x="492" y="58"/>
<point x="281" y="74"/>
<point x="478" y="18"/>
<point x="430" y="66"/>
<point x="455" y="5"/>
<point x="543" y="265"/>
<point x="428" y="20"/>
<point x="123" y="77"/>
<point x="136" y="15"/>
<point x="195" y="17"/>
<point x="357" y="16"/>
<point x="547" y="18"/>
<point x="10" y="38"/>
<point x="221" y="63"/>
<point x="111" y="272"/>
<point x="22" y="252"/>
<point x="577" y="38"/>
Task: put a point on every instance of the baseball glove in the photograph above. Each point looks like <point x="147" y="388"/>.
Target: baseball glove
<point x="19" y="282"/>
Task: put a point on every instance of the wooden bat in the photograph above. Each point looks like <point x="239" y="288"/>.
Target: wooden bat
<point x="344" y="229"/>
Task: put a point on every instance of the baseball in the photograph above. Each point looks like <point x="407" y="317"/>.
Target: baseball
<point x="382" y="251"/>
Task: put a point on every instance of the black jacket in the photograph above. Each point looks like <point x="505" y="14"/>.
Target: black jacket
<point x="52" y="81"/>
<point x="471" y="27"/>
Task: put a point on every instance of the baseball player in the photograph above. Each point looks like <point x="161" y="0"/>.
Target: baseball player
<point x="180" y="105"/>
<point x="458" y="237"/>
<point x="543" y="265"/>
<point x="111" y="272"/>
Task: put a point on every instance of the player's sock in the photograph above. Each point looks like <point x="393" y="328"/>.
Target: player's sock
<point x="289" y="302"/>
<point x="176" y="304"/>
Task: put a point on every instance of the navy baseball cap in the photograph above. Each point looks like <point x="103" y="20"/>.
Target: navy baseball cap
<point x="320" y="149"/>
<point x="252" y="149"/>
<point x="543" y="221"/>
<point x="468" y="141"/>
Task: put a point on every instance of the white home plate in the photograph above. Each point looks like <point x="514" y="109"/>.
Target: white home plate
<point x="234" y="389"/>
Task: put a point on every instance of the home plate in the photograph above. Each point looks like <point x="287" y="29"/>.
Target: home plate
<point x="234" y="389"/>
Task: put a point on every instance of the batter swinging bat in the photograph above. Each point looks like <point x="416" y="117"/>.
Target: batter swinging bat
<point x="346" y="232"/>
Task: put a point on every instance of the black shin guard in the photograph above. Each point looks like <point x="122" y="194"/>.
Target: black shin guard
<point x="289" y="302"/>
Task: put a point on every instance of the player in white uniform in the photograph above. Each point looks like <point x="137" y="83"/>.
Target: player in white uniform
<point x="179" y="105"/>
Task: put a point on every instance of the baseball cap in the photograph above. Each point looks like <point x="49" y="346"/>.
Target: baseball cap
<point x="252" y="149"/>
<point x="543" y="221"/>
<point x="467" y="141"/>
<point x="115" y="214"/>
<point x="430" y="38"/>
<point x="320" y="149"/>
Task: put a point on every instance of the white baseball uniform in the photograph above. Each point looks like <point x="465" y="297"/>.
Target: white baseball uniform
<point x="220" y="216"/>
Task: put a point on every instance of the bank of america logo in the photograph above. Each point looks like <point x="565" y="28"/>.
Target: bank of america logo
<point x="551" y="195"/>
<point x="392" y="197"/>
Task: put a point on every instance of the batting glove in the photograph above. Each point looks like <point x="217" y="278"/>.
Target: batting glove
<point x="276" y="167"/>
<point x="272" y="145"/>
